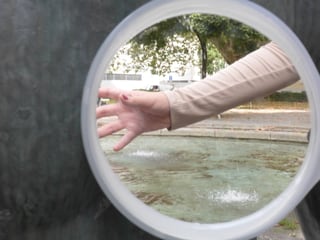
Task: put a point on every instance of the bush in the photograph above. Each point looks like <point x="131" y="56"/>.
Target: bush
<point x="288" y="97"/>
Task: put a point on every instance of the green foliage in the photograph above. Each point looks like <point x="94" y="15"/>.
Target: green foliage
<point x="175" y="56"/>
<point x="233" y="39"/>
<point x="215" y="61"/>
<point x="289" y="224"/>
<point x="157" y="35"/>
<point x="288" y="97"/>
<point x="217" y="39"/>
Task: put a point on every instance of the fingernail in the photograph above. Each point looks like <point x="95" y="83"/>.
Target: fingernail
<point x="125" y="97"/>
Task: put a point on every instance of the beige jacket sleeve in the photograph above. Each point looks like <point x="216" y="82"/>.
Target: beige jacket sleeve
<point x="260" y="73"/>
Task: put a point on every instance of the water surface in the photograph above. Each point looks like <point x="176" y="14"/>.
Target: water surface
<point x="203" y="179"/>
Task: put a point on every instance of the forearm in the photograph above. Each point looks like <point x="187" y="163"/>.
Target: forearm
<point x="258" y="74"/>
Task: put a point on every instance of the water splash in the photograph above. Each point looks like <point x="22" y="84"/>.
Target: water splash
<point x="207" y="180"/>
<point x="233" y="196"/>
<point x="142" y="153"/>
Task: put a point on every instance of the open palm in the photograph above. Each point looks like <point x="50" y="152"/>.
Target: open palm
<point x="136" y="111"/>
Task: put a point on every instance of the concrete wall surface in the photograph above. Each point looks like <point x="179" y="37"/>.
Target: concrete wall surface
<point x="47" y="190"/>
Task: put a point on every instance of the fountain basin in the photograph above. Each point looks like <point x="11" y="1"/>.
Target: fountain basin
<point x="205" y="179"/>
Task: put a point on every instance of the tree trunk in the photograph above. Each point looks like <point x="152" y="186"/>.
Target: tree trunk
<point x="204" y="54"/>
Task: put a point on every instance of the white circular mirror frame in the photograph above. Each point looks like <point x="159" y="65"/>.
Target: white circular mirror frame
<point x="145" y="217"/>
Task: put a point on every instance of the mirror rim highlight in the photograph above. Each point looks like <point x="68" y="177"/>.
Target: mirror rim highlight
<point x="144" y="216"/>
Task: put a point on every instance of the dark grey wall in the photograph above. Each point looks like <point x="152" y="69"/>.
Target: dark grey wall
<point x="303" y="16"/>
<point x="47" y="190"/>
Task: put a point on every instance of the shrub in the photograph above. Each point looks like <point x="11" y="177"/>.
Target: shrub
<point x="288" y="97"/>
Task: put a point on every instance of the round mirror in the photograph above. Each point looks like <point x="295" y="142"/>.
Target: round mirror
<point x="166" y="225"/>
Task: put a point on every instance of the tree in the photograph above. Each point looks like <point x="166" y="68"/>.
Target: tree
<point x="177" y="54"/>
<point x="174" y="40"/>
<point x="174" y="56"/>
<point x="215" y="60"/>
<point x="232" y="38"/>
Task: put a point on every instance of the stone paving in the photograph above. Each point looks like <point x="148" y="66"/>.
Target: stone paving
<point x="281" y="125"/>
<point x="274" y="124"/>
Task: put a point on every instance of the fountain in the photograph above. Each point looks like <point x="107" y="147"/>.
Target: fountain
<point x="203" y="179"/>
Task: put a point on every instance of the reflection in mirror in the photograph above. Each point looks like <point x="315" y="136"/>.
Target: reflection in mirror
<point x="220" y="169"/>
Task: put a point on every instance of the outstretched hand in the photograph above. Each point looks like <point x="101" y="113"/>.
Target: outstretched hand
<point x="137" y="112"/>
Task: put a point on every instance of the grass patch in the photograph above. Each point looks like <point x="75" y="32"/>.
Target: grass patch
<point x="264" y="104"/>
<point x="288" y="97"/>
<point x="289" y="223"/>
<point x="280" y="100"/>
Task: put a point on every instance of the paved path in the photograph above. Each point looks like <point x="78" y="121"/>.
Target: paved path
<point x="281" y="125"/>
<point x="291" y="120"/>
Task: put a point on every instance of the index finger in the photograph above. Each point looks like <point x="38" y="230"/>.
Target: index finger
<point x="106" y="110"/>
